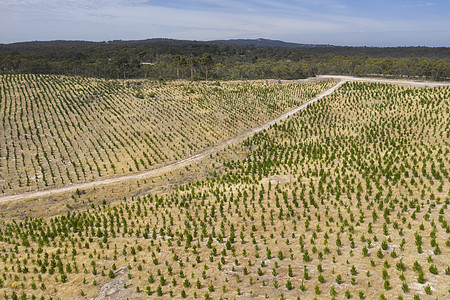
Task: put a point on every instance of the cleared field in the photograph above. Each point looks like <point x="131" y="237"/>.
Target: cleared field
<point x="59" y="130"/>
<point x="347" y="199"/>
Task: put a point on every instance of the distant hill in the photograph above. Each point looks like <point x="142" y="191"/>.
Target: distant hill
<point x="217" y="47"/>
<point x="258" y="43"/>
<point x="235" y="58"/>
<point x="261" y="42"/>
<point x="51" y="43"/>
<point x="265" y="43"/>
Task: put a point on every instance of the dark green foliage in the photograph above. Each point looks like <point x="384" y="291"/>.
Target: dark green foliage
<point x="172" y="59"/>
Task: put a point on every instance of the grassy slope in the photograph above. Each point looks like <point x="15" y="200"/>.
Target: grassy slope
<point x="365" y="169"/>
<point x="59" y="130"/>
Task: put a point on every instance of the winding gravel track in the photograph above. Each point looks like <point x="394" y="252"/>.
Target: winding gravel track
<point x="199" y="156"/>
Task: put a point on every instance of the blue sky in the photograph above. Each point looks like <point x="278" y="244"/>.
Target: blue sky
<point x="338" y="22"/>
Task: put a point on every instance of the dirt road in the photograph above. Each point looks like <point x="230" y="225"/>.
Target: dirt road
<point x="407" y="82"/>
<point x="199" y="156"/>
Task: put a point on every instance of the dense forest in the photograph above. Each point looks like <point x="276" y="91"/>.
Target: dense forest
<point x="237" y="59"/>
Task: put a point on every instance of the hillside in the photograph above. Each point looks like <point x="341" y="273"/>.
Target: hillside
<point x="63" y="130"/>
<point x="262" y="43"/>
<point x="347" y="198"/>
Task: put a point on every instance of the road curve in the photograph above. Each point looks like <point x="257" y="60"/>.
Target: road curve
<point x="397" y="81"/>
<point x="187" y="161"/>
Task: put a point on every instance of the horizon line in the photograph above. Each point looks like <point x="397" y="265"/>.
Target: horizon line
<point x="218" y="40"/>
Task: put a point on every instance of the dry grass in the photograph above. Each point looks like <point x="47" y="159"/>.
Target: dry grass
<point x="365" y="168"/>
<point x="57" y="131"/>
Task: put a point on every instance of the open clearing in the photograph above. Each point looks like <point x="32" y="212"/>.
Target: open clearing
<point x="347" y="198"/>
<point x="171" y="166"/>
<point x="202" y="154"/>
<point x="59" y="131"/>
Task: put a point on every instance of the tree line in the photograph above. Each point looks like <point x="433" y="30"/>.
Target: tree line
<point x="171" y="59"/>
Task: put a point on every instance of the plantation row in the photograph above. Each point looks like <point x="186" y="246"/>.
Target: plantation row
<point x="348" y="199"/>
<point x="60" y="130"/>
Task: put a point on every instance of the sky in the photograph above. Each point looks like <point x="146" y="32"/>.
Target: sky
<point x="337" y="22"/>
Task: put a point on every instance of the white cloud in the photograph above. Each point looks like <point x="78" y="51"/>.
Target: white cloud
<point x="136" y="19"/>
<point x="414" y="5"/>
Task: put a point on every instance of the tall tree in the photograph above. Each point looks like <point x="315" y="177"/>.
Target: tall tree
<point x="207" y="61"/>
<point x="191" y="64"/>
<point x="183" y="63"/>
<point x="178" y="59"/>
<point x="121" y="63"/>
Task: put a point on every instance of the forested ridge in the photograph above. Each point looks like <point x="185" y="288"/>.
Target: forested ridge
<point x="237" y="59"/>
